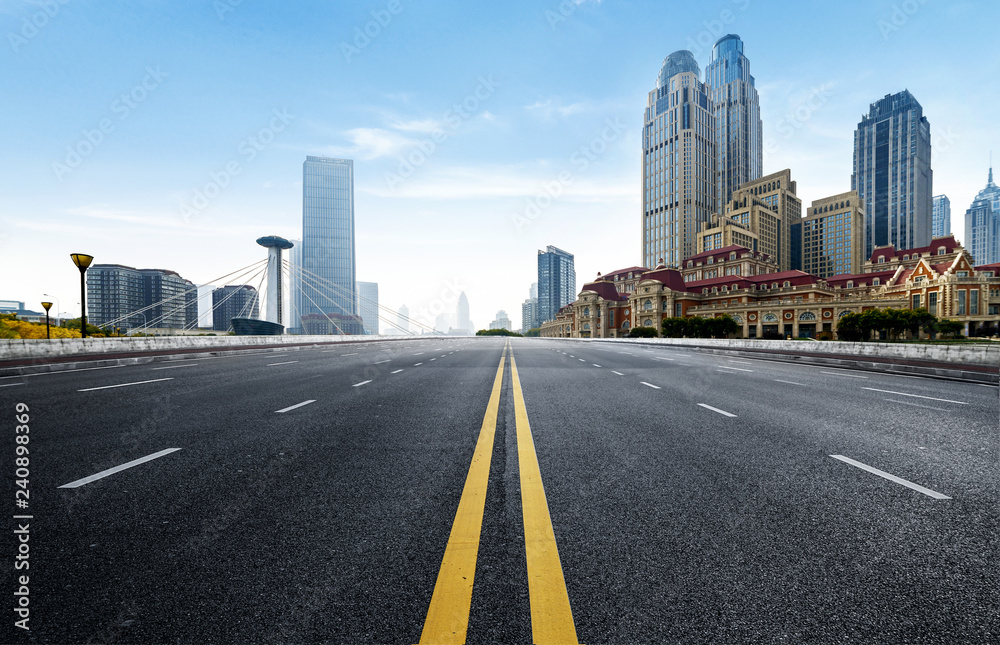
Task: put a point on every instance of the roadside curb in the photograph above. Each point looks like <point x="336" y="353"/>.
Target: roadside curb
<point x="985" y="376"/>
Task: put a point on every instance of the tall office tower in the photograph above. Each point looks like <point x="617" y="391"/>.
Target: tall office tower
<point x="403" y="318"/>
<point x="328" y="277"/>
<point x="501" y="321"/>
<point x="738" y="129"/>
<point x="982" y="225"/>
<point x="892" y="173"/>
<point x="834" y="236"/>
<point x="233" y="301"/>
<point x="941" y="216"/>
<point x="529" y="314"/>
<point x="533" y="291"/>
<point x="556" y="282"/>
<point x="114" y="291"/>
<point x="462" y="319"/>
<point x="294" y="325"/>
<point x="678" y="163"/>
<point x="367" y="306"/>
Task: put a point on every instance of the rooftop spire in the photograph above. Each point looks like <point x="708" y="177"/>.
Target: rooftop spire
<point x="991" y="167"/>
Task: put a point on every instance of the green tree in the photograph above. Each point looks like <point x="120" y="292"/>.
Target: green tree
<point x="643" y="332"/>
<point x="951" y="328"/>
<point x="534" y="332"/>
<point x="674" y="327"/>
<point x="849" y="328"/>
<point x="722" y="327"/>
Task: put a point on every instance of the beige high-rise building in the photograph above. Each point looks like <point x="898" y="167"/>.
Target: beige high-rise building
<point x="679" y="162"/>
<point x="759" y="217"/>
<point x="833" y="236"/>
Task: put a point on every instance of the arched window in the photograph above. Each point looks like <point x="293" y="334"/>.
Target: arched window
<point x="735" y="287"/>
<point x="842" y="314"/>
<point x="769" y="318"/>
<point x="647" y="305"/>
<point x="774" y="285"/>
<point x="807" y="315"/>
<point x="787" y="283"/>
<point x="586" y="311"/>
<point x="625" y="325"/>
<point x="586" y="327"/>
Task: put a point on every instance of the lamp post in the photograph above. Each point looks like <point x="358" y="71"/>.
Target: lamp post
<point x="47" y="305"/>
<point x="82" y="261"/>
<point x="58" y="307"/>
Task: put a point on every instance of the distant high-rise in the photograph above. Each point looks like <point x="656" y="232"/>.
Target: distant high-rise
<point x="502" y="321"/>
<point x="833" y="236"/>
<point x="738" y="136"/>
<point x="941" y="216"/>
<point x="533" y="291"/>
<point x="462" y="319"/>
<point x="556" y="282"/>
<point x="982" y="224"/>
<point x="328" y="279"/>
<point x="403" y="318"/>
<point x="115" y="291"/>
<point x="529" y="314"/>
<point x="892" y="173"/>
<point x="234" y="301"/>
<point x="678" y="163"/>
<point x="367" y="306"/>
<point x="294" y="288"/>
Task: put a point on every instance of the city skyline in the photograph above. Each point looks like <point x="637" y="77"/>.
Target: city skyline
<point x="198" y="157"/>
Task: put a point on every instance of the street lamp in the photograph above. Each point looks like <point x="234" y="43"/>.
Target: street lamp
<point x="82" y="261"/>
<point x="47" y="305"/>
<point x="58" y="307"/>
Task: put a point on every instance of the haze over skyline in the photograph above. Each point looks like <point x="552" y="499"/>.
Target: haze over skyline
<point x="171" y="137"/>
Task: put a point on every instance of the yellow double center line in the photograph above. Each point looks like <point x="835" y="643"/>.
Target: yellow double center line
<point x="551" y="616"/>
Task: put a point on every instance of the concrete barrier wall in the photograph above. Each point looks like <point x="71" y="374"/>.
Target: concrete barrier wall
<point x="41" y="349"/>
<point x="963" y="354"/>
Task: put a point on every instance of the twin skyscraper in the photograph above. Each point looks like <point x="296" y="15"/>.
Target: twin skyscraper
<point x="702" y="141"/>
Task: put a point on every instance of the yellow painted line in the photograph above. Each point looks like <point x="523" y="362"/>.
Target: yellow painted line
<point x="551" y="615"/>
<point x="448" y="615"/>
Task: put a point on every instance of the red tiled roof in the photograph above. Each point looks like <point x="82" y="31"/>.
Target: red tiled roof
<point x="890" y="252"/>
<point x="625" y="272"/>
<point x="724" y="251"/>
<point x="941" y="267"/>
<point x="670" y="278"/>
<point x="863" y="277"/>
<point x="794" y="276"/>
<point x="604" y="289"/>
<point x="988" y="267"/>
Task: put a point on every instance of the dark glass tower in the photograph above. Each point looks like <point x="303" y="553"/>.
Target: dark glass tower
<point x="328" y="278"/>
<point x="556" y="282"/>
<point x="739" y="145"/>
<point x="892" y="173"/>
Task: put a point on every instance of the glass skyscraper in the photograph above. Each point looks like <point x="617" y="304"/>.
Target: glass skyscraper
<point x="941" y="216"/>
<point x="892" y="173"/>
<point x="738" y="138"/>
<point x="368" y="306"/>
<point x="982" y="225"/>
<point x="556" y="282"/>
<point x="328" y="280"/>
<point x="679" y="191"/>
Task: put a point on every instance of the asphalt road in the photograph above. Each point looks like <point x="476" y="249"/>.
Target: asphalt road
<point x="692" y="498"/>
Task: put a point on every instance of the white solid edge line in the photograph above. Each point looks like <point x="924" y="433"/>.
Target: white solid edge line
<point x="82" y="369"/>
<point x="892" y="478"/>
<point x="660" y="358"/>
<point x="292" y="407"/>
<point x="778" y="380"/>
<point x="108" y="387"/>
<point x="396" y="372"/>
<point x="354" y="354"/>
<point x="708" y="407"/>
<point x="362" y="383"/>
<point x="655" y="387"/>
<point x="737" y="369"/>
<point x="283" y="363"/>
<point x="618" y="373"/>
<point x="11" y="384"/>
<point x="117" y="469"/>
<point x="847" y="375"/>
<point x="173" y="367"/>
<point x="874" y="389"/>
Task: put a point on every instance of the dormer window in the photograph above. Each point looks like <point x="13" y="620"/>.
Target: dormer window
<point x="876" y="282"/>
<point x="906" y="257"/>
<point x="787" y="283"/>
<point x="690" y="264"/>
<point x="850" y="284"/>
<point x="732" y="256"/>
<point x="711" y="260"/>
<point x="918" y="278"/>
<point x="962" y="274"/>
<point x="881" y="259"/>
<point x="774" y="285"/>
<point x="942" y="250"/>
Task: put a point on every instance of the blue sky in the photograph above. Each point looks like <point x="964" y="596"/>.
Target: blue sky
<point x="520" y="119"/>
